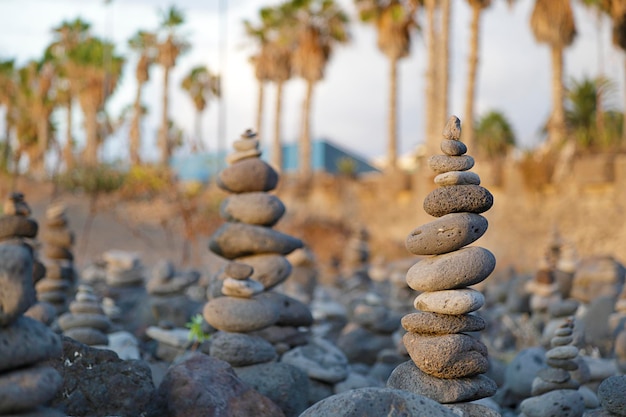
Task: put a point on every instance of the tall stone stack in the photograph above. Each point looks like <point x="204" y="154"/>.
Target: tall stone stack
<point x="447" y="364"/>
<point x="58" y="239"/>
<point x="247" y="237"/>
<point x="25" y="384"/>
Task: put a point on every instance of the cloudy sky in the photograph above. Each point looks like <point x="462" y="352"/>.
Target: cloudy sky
<point x="350" y="104"/>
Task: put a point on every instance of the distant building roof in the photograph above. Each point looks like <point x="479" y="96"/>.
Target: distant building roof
<point x="326" y="156"/>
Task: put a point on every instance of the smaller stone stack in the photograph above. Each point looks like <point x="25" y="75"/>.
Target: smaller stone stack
<point x="247" y="237"/>
<point x="26" y="385"/>
<point x="58" y="240"/>
<point x="123" y="269"/>
<point x="617" y="324"/>
<point x="18" y="226"/>
<point x="86" y="321"/>
<point x="554" y="391"/>
<point x="169" y="301"/>
<point x="355" y="260"/>
<point x="446" y="362"/>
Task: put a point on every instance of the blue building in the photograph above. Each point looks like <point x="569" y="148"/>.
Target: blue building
<point x="326" y="157"/>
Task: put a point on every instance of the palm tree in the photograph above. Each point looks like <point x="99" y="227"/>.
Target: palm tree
<point x="34" y="106"/>
<point x="8" y="88"/>
<point x="584" y="99"/>
<point x="67" y="36"/>
<point x="431" y="125"/>
<point x="170" y="48"/>
<point x="394" y="20"/>
<point x="552" y="22"/>
<point x="93" y="84"/>
<point x="202" y="86"/>
<point x="273" y="63"/>
<point x="494" y="135"/>
<point x="143" y="43"/>
<point x="617" y="11"/>
<point x="321" y="25"/>
<point x="477" y="7"/>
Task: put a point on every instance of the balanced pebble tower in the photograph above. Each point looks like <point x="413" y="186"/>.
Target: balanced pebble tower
<point x="446" y="362"/>
<point x="256" y="251"/>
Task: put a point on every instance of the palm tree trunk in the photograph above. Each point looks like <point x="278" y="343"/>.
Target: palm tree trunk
<point x="392" y="144"/>
<point x="556" y="127"/>
<point x="305" y="139"/>
<point x="443" y="70"/>
<point x="198" y="131"/>
<point x="38" y="160"/>
<point x="163" y="136"/>
<point x="431" y="77"/>
<point x="259" y="110"/>
<point x="68" y="150"/>
<point x="277" y="148"/>
<point x="624" y="118"/>
<point x="91" y="147"/>
<point x="472" y="66"/>
<point x="135" y="131"/>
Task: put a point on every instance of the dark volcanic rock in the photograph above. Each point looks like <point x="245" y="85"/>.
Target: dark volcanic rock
<point x="96" y="382"/>
<point x="204" y="386"/>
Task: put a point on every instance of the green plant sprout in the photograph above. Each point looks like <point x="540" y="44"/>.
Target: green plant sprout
<point x="196" y="333"/>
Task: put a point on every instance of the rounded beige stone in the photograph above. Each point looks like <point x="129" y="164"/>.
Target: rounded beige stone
<point x="455" y="302"/>
<point x="231" y="314"/>
<point x="457" y="178"/>
<point x="458" y="269"/>
<point x="446" y="234"/>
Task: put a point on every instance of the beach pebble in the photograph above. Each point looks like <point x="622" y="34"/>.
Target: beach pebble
<point x="457" y="199"/>
<point x="434" y="323"/>
<point x="457" y="178"/>
<point x="446" y="234"/>
<point x="232" y="314"/>
<point x="611" y="394"/>
<point x="454" y="302"/>
<point x="445" y="163"/>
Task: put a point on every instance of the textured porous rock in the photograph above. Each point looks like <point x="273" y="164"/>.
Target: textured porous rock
<point x="457" y="199"/>
<point x="96" y="382"/>
<point x="204" y="386"/>
<point x="409" y="377"/>
<point x="611" y="394"/>
<point x="376" y="402"/>
<point x="434" y="323"/>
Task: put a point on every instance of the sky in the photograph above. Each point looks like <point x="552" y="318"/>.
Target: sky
<point x="350" y="104"/>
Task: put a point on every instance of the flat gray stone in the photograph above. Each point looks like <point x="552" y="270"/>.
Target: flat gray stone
<point x="447" y="356"/>
<point x="446" y="234"/>
<point x="611" y="394"/>
<point x="457" y="199"/>
<point x="16" y="282"/>
<point x="253" y="208"/>
<point x="286" y="385"/>
<point x="291" y="312"/>
<point x="453" y="147"/>
<point x="410" y="378"/>
<point x="461" y="301"/>
<point x="320" y="359"/>
<point x="559" y="403"/>
<point x="377" y="402"/>
<point x="234" y="240"/>
<point x="445" y="163"/>
<point x="240" y="349"/>
<point x="458" y="269"/>
<point x="27" y="341"/>
<point x="26" y="388"/>
<point x="242" y="315"/>
<point x="248" y="175"/>
<point x="562" y="352"/>
<point x="457" y="178"/>
<point x="432" y="323"/>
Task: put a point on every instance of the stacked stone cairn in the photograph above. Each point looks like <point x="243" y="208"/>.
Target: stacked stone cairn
<point x="86" y="321"/>
<point x="256" y="325"/>
<point x="17" y="226"/>
<point x="123" y="269"/>
<point x="617" y="323"/>
<point x="256" y="251"/>
<point x="26" y="385"/>
<point x="554" y="391"/>
<point x="446" y="362"/>
<point x="58" y="285"/>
